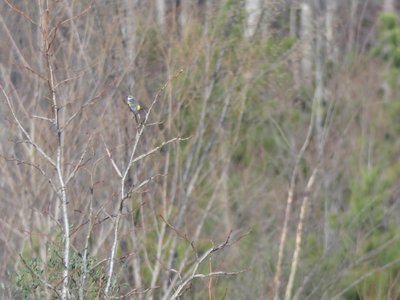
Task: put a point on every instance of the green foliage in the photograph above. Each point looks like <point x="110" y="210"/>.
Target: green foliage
<point x="376" y="286"/>
<point x="28" y="279"/>
<point x="364" y="197"/>
<point x="388" y="21"/>
<point x="229" y="21"/>
<point x="34" y="273"/>
<point x="366" y="219"/>
<point x="388" y="45"/>
<point x="391" y="124"/>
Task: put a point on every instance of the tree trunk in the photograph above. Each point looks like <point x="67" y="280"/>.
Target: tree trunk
<point x="306" y="42"/>
<point x="331" y="45"/>
<point x="128" y="33"/>
<point x="294" y="8"/>
<point x="160" y="13"/>
<point x="352" y="26"/>
<point x="320" y="130"/>
<point x="253" y="10"/>
<point x="184" y="16"/>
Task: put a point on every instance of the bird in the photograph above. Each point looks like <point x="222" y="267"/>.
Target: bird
<point x="139" y="111"/>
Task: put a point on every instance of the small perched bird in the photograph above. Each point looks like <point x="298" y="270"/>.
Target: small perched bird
<point x="139" y="111"/>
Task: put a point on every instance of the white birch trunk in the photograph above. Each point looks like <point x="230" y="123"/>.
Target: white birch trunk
<point x="253" y="10"/>
<point x="160" y="13"/>
<point x="185" y="14"/>
<point x="306" y="41"/>
<point x="331" y="46"/>
<point x="128" y="32"/>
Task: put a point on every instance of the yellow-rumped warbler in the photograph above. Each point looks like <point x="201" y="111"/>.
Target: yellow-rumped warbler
<point x="139" y="111"/>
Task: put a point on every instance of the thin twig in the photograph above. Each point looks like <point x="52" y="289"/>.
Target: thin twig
<point x="35" y="73"/>
<point x="35" y="166"/>
<point x="20" y="12"/>
<point x="79" y="164"/>
<point x="111" y="159"/>
<point x="74" y="115"/>
<point x="140" y="157"/>
<point x="134" y="292"/>
<point x="210" y="282"/>
<point x="36" y="146"/>
<point x="192" y="274"/>
<point x="44" y="118"/>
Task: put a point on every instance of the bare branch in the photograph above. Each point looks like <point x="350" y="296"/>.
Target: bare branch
<point x="35" y="73"/>
<point x="35" y="166"/>
<point x="182" y="236"/>
<point x="53" y="32"/>
<point x="36" y="146"/>
<point x="111" y="159"/>
<point x="219" y="273"/>
<point x="192" y="274"/>
<point x="140" y="157"/>
<point x="44" y="118"/>
<point x="134" y="292"/>
<point x="79" y="164"/>
<point x="69" y="79"/>
<point x="20" y="12"/>
<point x="74" y="115"/>
<point x="135" y="188"/>
<point x="13" y="43"/>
